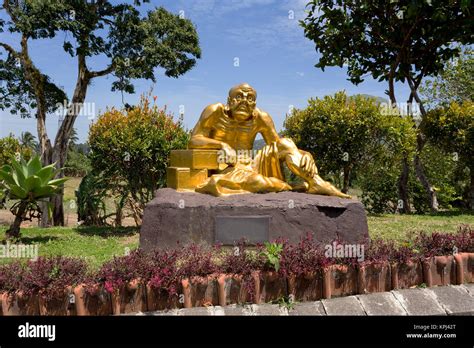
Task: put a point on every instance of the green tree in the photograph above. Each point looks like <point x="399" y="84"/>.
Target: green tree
<point x="77" y="164"/>
<point x="454" y="83"/>
<point x="353" y="136"/>
<point x="130" y="150"/>
<point x="392" y="41"/>
<point x="452" y="128"/>
<point x="10" y="148"/>
<point x="73" y="139"/>
<point x="132" y="46"/>
<point x="339" y="131"/>
<point x="28" y="140"/>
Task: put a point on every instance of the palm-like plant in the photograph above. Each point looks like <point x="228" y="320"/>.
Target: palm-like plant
<point x="28" y="140"/>
<point x="28" y="183"/>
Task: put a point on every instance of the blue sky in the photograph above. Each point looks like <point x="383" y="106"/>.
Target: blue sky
<point x="264" y="35"/>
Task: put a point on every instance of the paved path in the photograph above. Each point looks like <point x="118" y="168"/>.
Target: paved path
<point x="444" y="300"/>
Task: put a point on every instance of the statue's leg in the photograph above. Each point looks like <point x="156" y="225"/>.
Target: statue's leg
<point x="259" y="183"/>
<point x="292" y="156"/>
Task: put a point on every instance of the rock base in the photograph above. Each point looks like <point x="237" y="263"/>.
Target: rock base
<point x="188" y="217"/>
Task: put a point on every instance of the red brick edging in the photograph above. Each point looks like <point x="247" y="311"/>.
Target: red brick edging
<point x="225" y="289"/>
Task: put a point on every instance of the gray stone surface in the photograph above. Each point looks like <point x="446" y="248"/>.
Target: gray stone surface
<point x="381" y="303"/>
<point x="454" y="299"/>
<point x="349" y="305"/>
<point x="271" y="309"/>
<point x="190" y="217"/>
<point x="195" y="311"/>
<point x="470" y="288"/>
<point x="418" y="302"/>
<point x="308" y="308"/>
<point x="170" y="312"/>
<point x="236" y="310"/>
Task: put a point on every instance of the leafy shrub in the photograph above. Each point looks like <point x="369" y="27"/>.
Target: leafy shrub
<point x="244" y="262"/>
<point x="436" y="243"/>
<point x="90" y="195"/>
<point x="403" y="253"/>
<point x="11" y="148"/>
<point x="336" y="130"/>
<point x="49" y="277"/>
<point x="452" y="129"/>
<point x="130" y="150"/>
<point x="196" y="260"/>
<point x="240" y="260"/>
<point x="271" y="254"/>
<point x="163" y="272"/>
<point x="12" y="276"/>
<point x="465" y="239"/>
<point x="303" y="258"/>
<point x="345" y="133"/>
<point x="120" y="270"/>
<point x="77" y="164"/>
<point x="445" y="243"/>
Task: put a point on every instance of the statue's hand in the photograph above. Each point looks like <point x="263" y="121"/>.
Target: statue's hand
<point x="229" y="153"/>
<point x="307" y="164"/>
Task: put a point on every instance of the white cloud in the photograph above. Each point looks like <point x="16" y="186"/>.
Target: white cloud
<point x="213" y="8"/>
<point x="271" y="23"/>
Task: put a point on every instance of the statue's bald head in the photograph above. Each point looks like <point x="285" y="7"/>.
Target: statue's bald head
<point x="241" y="101"/>
<point x="245" y="87"/>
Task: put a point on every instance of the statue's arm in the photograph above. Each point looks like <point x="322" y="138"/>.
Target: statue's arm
<point x="267" y="128"/>
<point x="200" y="135"/>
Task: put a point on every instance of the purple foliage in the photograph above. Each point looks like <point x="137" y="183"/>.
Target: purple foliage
<point x="11" y="276"/>
<point x="306" y="257"/>
<point x="163" y="274"/>
<point x="195" y="260"/>
<point x="120" y="270"/>
<point x="164" y="270"/>
<point x="50" y="276"/>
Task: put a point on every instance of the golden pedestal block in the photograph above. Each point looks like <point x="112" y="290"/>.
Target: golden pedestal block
<point x="189" y="168"/>
<point x="181" y="178"/>
<point x="194" y="159"/>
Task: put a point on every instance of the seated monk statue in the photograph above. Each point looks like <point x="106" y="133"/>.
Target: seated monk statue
<point x="232" y="128"/>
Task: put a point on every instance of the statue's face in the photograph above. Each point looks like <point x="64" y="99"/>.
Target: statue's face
<point x="242" y="102"/>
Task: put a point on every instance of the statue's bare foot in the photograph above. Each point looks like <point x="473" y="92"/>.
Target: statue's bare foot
<point x="327" y="192"/>
<point x="300" y="187"/>
<point x="320" y="187"/>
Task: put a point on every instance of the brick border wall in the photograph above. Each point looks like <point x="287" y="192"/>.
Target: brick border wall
<point x="227" y="289"/>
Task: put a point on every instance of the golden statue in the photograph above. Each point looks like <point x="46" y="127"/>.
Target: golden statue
<point x="220" y="161"/>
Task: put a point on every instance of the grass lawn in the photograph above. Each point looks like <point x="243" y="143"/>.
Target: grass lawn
<point x="70" y="186"/>
<point x="399" y="227"/>
<point x="95" y="244"/>
<point x="99" y="244"/>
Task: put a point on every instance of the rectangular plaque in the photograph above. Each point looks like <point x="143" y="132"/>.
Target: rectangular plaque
<point x="231" y="229"/>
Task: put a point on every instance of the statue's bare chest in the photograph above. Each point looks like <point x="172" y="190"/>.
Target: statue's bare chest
<point x="239" y="135"/>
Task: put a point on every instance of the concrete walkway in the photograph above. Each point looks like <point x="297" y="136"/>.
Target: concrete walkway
<point x="444" y="300"/>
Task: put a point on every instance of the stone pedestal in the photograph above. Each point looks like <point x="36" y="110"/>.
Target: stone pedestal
<point x="190" y="217"/>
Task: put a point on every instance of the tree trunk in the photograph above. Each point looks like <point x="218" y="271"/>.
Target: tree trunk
<point x="420" y="174"/>
<point x="46" y="159"/>
<point x="403" y="205"/>
<point x="404" y="202"/>
<point x="471" y="190"/>
<point x="37" y="81"/>
<point x="420" y="144"/>
<point x="347" y="173"/>
<point x="14" y="230"/>
<point x="64" y="132"/>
